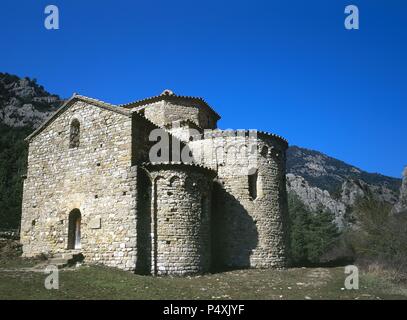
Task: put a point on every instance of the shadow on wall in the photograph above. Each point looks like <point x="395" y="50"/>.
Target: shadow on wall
<point x="234" y="232"/>
<point x="144" y="246"/>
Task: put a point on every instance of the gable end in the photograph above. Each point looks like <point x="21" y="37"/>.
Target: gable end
<point x="70" y="102"/>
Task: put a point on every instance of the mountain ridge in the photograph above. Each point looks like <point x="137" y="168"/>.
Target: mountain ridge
<point x="299" y="163"/>
<point x="24" y="103"/>
<point x="322" y="182"/>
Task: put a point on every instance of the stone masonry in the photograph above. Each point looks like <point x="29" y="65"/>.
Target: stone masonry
<point x="401" y="206"/>
<point x="92" y="187"/>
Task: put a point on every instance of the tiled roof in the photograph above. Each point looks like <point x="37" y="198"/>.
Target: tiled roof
<point x="177" y="163"/>
<point x="168" y="95"/>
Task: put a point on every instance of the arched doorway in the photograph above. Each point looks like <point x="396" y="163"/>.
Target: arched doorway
<point x="74" y="229"/>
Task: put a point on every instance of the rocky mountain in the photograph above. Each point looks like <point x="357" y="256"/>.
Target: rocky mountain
<point x="319" y="181"/>
<point x="325" y="183"/>
<point x="24" y="103"/>
<point x="23" y="106"/>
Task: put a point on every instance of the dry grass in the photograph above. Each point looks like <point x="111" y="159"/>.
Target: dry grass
<point x="95" y="282"/>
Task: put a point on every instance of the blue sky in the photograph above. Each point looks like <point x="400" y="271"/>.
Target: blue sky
<point x="288" y="67"/>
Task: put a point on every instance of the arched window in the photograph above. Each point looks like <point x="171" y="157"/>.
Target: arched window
<point x="174" y="181"/>
<point x="264" y="151"/>
<point x="74" y="135"/>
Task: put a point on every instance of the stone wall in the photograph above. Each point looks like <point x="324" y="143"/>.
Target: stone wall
<point x="180" y="219"/>
<point x="250" y="230"/>
<point x="155" y="112"/>
<point x="183" y="129"/>
<point x="141" y="143"/>
<point x="169" y="110"/>
<point x="97" y="178"/>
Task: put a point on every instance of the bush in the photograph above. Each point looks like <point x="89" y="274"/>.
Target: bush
<point x="312" y="234"/>
<point x="13" y="159"/>
<point x="380" y="238"/>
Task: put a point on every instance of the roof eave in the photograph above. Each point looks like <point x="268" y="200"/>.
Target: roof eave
<point x="144" y="102"/>
<point x="72" y="100"/>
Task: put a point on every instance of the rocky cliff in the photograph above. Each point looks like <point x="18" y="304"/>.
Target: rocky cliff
<point x="24" y="103"/>
<point x="23" y="106"/>
<point x="401" y="205"/>
<point x="323" y="182"/>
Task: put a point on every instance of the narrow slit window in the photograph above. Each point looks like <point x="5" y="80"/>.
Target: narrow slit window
<point x="74" y="136"/>
<point x="253" y="185"/>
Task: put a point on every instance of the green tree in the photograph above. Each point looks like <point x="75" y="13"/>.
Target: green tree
<point x="13" y="162"/>
<point x="312" y="234"/>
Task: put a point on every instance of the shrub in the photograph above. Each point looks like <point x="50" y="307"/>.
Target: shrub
<point x="13" y="158"/>
<point x="380" y="238"/>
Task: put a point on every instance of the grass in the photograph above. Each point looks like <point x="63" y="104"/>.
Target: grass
<point x="97" y="282"/>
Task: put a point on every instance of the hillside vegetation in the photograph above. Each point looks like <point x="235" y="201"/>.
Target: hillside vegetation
<point x="13" y="155"/>
<point x="23" y="106"/>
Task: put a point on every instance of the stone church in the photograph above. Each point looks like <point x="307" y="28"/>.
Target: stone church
<point x="93" y="187"/>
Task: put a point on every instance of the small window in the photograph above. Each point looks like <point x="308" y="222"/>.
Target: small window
<point x="264" y="151"/>
<point x="74" y="134"/>
<point x="175" y="181"/>
<point x="253" y="185"/>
